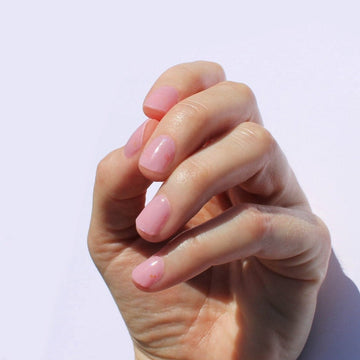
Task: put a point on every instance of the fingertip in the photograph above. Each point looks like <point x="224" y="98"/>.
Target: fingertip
<point x="148" y="273"/>
<point x="152" y="175"/>
<point x="148" y="237"/>
<point x="153" y="113"/>
<point x="157" y="157"/>
<point x="153" y="217"/>
<point x="140" y="137"/>
<point x="159" y="101"/>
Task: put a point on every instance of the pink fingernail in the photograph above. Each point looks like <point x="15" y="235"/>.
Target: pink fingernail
<point x="160" y="101"/>
<point x="154" y="216"/>
<point x="159" y="154"/>
<point x="149" y="272"/>
<point x="135" y="142"/>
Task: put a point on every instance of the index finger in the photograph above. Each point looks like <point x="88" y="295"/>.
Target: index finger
<point x="178" y="83"/>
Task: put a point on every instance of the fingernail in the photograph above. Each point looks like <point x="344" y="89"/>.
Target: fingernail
<point x="160" y="101"/>
<point x="149" y="272"/>
<point x="154" y="216"/>
<point x="135" y="142"/>
<point x="159" y="154"/>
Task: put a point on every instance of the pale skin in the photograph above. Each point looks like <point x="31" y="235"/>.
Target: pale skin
<point x="243" y="254"/>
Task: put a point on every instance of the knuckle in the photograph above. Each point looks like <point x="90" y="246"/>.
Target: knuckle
<point x="324" y="234"/>
<point x="242" y="90"/>
<point x="192" y="72"/>
<point x="215" y="65"/>
<point x="320" y="249"/>
<point x="258" y="135"/>
<point x="192" y="175"/>
<point x="265" y="138"/>
<point x="214" y="68"/>
<point x="189" y="109"/>
<point x="184" y="69"/>
<point x="217" y="68"/>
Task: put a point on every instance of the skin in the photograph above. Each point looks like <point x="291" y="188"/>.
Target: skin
<point x="244" y="255"/>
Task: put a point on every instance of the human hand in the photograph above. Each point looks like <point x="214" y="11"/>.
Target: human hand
<point x="236" y="255"/>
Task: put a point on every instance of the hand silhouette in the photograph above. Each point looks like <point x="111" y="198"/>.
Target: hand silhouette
<point x="226" y="261"/>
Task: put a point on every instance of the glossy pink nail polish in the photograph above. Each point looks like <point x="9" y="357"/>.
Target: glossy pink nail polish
<point x="160" y="101"/>
<point x="159" y="154"/>
<point x="149" y="272"/>
<point x="154" y="216"/>
<point x="135" y="142"/>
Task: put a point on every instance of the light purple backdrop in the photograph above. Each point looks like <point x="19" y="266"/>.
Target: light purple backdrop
<point x="73" y="75"/>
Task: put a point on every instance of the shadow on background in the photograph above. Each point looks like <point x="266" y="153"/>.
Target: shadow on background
<point x="335" y="334"/>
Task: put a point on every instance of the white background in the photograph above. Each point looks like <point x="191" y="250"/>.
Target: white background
<point x="73" y="75"/>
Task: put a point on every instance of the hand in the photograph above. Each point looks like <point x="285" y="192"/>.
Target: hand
<point x="236" y="255"/>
